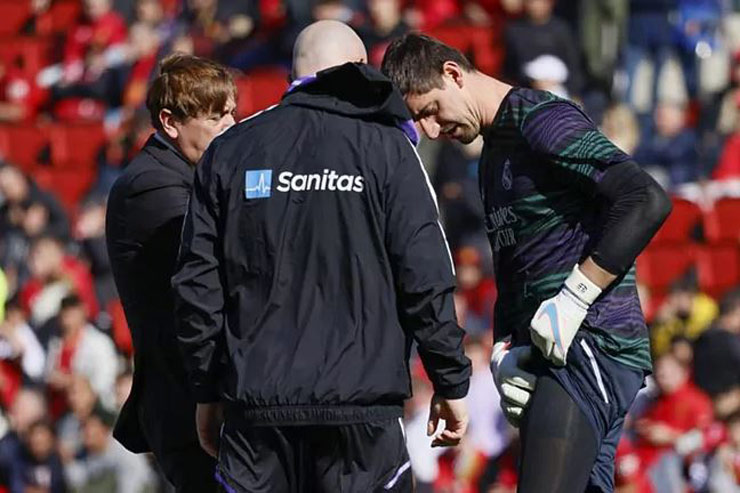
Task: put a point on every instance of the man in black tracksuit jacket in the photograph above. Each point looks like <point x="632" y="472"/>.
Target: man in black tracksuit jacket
<point x="312" y="257"/>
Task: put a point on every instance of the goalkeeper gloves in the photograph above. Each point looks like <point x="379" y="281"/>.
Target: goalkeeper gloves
<point x="515" y="385"/>
<point x="557" y="320"/>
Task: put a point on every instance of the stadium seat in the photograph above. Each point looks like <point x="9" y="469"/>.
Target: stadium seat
<point x="30" y="53"/>
<point x="13" y="15"/>
<point x="68" y="185"/>
<point x="722" y="222"/>
<point x="659" y="266"/>
<point x="23" y="145"/>
<point x="677" y="228"/>
<point x="243" y="103"/>
<point x="477" y="43"/>
<point x="64" y="14"/>
<point x="718" y="268"/>
<point x="76" y="146"/>
<point x="260" y="89"/>
<point x="79" y="109"/>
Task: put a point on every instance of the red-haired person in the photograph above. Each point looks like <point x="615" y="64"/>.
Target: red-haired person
<point x="190" y="102"/>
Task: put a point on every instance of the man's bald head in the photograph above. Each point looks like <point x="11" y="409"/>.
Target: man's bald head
<point x="326" y="44"/>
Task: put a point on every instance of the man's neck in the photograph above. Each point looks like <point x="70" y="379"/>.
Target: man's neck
<point x="73" y="336"/>
<point x="490" y="94"/>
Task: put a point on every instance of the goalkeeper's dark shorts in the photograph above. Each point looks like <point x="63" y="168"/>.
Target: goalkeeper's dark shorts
<point x="604" y="390"/>
<point x="362" y="457"/>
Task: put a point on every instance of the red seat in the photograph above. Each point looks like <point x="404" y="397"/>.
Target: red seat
<point x="13" y="14"/>
<point x="73" y="110"/>
<point x="64" y="14"/>
<point x="478" y="43"/>
<point x="243" y="102"/>
<point x="678" y="226"/>
<point x="722" y="222"/>
<point x="68" y="185"/>
<point x="22" y="145"/>
<point x="718" y="268"/>
<point x="260" y="89"/>
<point x="76" y="145"/>
<point x="30" y="53"/>
<point x="659" y="266"/>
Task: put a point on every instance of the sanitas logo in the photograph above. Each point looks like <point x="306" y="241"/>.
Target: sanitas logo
<point x="329" y="180"/>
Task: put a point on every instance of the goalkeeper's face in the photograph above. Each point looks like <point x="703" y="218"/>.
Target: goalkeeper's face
<point x="446" y="111"/>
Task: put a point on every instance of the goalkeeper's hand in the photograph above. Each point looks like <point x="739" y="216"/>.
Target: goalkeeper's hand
<point x="515" y="385"/>
<point x="557" y="320"/>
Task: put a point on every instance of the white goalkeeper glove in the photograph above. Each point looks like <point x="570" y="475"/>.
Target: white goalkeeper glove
<point x="557" y="320"/>
<point x="515" y="385"/>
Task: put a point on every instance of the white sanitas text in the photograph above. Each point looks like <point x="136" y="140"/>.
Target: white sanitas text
<point x="329" y="180"/>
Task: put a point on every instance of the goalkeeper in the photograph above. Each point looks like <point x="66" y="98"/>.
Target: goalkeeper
<point x="566" y="214"/>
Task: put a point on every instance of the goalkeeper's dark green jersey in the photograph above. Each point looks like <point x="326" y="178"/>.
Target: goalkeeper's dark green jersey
<point x="541" y="165"/>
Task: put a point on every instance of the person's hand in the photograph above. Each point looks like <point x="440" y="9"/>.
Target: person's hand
<point x="656" y="433"/>
<point x="557" y="320"/>
<point x="515" y="385"/>
<point x="689" y="442"/>
<point x="208" y="420"/>
<point x="455" y="414"/>
<point x="59" y="380"/>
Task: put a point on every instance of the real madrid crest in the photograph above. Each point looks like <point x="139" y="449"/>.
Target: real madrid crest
<point x="506" y="179"/>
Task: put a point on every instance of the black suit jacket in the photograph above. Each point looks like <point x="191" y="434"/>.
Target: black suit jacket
<point x="146" y="208"/>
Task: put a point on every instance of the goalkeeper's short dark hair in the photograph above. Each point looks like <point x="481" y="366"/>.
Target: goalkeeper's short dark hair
<point x="414" y="63"/>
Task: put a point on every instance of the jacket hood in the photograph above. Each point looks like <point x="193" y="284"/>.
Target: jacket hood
<point x="356" y="90"/>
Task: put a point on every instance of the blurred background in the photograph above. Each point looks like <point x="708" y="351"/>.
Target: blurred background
<point x="660" y="77"/>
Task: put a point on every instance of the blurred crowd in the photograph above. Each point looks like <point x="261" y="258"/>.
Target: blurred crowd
<point x="661" y="78"/>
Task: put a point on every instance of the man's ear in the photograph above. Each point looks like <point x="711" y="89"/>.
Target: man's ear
<point x="167" y="120"/>
<point x="453" y="71"/>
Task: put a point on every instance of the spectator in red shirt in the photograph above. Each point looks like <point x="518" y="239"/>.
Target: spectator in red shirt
<point x="728" y="167"/>
<point x="679" y="408"/>
<point x="428" y="14"/>
<point x="102" y="29"/>
<point x="93" y="55"/>
<point x="20" y="97"/>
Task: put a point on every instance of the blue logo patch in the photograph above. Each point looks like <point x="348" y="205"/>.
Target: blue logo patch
<point x="258" y="183"/>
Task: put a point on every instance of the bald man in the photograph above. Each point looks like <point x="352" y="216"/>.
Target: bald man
<point x="312" y="259"/>
<point x="325" y="44"/>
